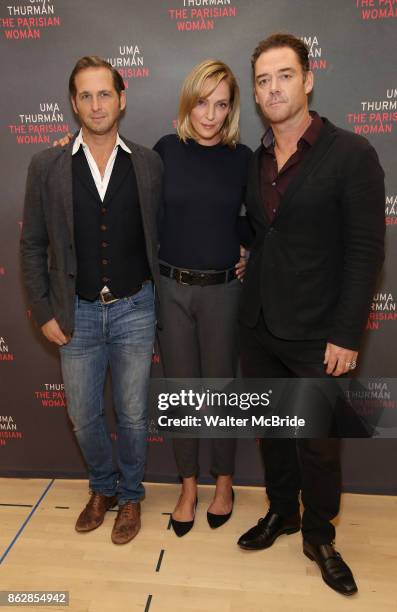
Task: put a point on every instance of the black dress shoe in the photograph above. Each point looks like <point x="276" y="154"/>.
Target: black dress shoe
<point x="181" y="528"/>
<point x="334" y="570"/>
<point x="268" y="529"/>
<point x="217" y="520"/>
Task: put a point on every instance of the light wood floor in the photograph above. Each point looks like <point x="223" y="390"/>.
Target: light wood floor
<point x="203" y="571"/>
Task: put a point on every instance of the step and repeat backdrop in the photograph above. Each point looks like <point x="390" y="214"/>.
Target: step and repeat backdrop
<point x="153" y="44"/>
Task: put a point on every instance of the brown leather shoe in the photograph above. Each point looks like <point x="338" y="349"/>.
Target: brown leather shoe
<point x="127" y="523"/>
<point x="94" y="513"/>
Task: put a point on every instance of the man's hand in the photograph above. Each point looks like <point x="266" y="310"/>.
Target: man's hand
<point x="241" y="264"/>
<point x="339" y="360"/>
<point x="62" y="142"/>
<point x="53" y="333"/>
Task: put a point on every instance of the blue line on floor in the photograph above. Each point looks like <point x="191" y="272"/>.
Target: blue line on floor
<point x="26" y="521"/>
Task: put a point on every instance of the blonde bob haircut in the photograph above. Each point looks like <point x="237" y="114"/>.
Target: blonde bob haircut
<point x="200" y="83"/>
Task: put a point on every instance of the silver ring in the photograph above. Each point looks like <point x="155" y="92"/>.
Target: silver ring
<point x="351" y="364"/>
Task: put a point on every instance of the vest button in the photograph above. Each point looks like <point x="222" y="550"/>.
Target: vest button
<point x="105" y="262"/>
<point x="105" y="279"/>
<point x="104" y="227"/>
<point x="103" y="210"/>
<point x="104" y="244"/>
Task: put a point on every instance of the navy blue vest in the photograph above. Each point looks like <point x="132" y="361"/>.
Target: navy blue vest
<point x="109" y="236"/>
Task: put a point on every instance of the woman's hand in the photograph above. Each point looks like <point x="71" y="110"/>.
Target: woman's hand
<point x="242" y="263"/>
<point x="62" y="142"/>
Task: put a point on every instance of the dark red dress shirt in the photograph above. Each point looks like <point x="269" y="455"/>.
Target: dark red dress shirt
<point x="273" y="183"/>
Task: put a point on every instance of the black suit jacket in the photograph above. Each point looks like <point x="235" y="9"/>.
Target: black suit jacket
<point x="313" y="269"/>
<point x="48" y="250"/>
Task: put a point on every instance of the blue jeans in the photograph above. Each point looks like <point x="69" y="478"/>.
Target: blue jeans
<point x="119" y="335"/>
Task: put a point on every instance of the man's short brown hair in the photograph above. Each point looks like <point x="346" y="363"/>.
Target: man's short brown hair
<point x="93" y="61"/>
<point x="278" y="40"/>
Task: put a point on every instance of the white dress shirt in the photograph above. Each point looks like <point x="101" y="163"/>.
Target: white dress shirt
<point x="101" y="183"/>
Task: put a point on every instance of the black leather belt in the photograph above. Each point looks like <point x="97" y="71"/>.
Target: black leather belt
<point x="194" y="277"/>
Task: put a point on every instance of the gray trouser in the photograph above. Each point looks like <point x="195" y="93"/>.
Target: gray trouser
<point x="199" y="340"/>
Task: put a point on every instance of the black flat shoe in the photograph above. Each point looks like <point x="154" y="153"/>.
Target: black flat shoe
<point x="181" y="528"/>
<point x="217" y="520"/>
<point x="335" y="572"/>
<point x="269" y="529"/>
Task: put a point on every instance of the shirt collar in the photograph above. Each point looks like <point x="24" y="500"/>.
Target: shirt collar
<point x="79" y="142"/>
<point x="309" y="136"/>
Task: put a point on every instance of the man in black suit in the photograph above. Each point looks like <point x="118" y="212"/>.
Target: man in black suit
<point x="89" y="260"/>
<point x="316" y="201"/>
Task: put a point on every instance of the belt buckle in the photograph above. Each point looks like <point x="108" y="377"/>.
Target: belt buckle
<point x="103" y="297"/>
<point x="179" y="276"/>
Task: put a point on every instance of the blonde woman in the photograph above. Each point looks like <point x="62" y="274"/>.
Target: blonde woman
<point x="205" y="173"/>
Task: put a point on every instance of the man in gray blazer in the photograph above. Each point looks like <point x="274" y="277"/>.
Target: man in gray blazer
<point x="89" y="262"/>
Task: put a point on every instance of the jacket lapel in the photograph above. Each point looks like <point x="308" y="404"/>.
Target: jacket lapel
<point x="144" y="192"/>
<point x="260" y="209"/>
<point x="66" y="185"/>
<point x="311" y="160"/>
